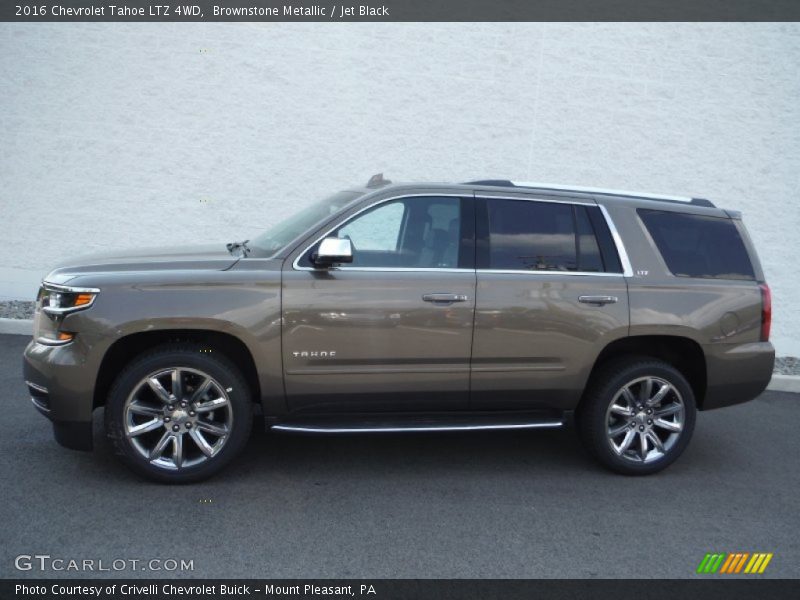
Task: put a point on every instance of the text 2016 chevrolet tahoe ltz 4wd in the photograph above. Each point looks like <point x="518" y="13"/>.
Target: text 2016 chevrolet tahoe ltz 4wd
<point x="415" y="307"/>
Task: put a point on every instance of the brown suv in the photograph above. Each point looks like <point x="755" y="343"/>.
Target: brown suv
<point x="416" y="307"/>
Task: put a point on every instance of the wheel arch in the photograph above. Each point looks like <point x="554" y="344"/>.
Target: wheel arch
<point x="683" y="353"/>
<point x="128" y="347"/>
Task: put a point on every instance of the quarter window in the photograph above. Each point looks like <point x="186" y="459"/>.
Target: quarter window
<point x="699" y="246"/>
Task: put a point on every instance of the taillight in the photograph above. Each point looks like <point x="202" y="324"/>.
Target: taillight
<point x="766" y="311"/>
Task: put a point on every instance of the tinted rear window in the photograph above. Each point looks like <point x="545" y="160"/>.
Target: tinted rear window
<point x="547" y="236"/>
<point x="532" y="236"/>
<point x="699" y="246"/>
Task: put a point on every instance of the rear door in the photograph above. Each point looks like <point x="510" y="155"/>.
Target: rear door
<point x="392" y="331"/>
<point x="550" y="295"/>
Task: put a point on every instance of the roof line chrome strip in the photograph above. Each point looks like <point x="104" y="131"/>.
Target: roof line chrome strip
<point x="596" y="190"/>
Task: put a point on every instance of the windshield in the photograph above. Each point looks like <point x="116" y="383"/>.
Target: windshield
<point x="280" y="234"/>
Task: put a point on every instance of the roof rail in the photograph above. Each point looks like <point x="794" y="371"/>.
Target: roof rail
<point x="591" y="190"/>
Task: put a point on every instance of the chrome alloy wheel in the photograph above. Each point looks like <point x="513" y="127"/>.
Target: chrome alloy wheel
<point x="178" y="417"/>
<point x="645" y="419"/>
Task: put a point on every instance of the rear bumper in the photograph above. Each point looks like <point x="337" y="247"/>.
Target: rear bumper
<point x="737" y="373"/>
<point x="56" y="378"/>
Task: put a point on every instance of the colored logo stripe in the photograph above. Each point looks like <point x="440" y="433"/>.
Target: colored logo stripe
<point x="734" y="562"/>
<point x="710" y="563"/>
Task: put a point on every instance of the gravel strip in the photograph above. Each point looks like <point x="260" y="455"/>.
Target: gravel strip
<point x="23" y="309"/>
<point x="787" y="365"/>
<point x="16" y="309"/>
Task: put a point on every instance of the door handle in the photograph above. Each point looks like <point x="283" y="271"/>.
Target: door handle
<point x="598" y="300"/>
<point x="444" y="298"/>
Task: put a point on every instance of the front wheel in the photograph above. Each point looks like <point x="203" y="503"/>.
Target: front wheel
<point x="179" y="413"/>
<point x="638" y="416"/>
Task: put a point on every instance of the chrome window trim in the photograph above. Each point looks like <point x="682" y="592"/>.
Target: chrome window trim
<point x="390" y="269"/>
<point x="543" y="272"/>
<point x="627" y="270"/>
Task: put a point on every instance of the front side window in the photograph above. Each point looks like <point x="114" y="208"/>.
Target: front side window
<point x="421" y="233"/>
<point x="377" y="230"/>
<point x="698" y="246"/>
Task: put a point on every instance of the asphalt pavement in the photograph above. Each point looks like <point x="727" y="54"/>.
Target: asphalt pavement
<point x="489" y="505"/>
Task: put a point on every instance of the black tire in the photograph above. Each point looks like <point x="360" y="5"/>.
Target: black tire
<point x="595" y="419"/>
<point x="197" y="360"/>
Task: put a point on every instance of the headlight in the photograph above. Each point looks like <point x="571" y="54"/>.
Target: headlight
<point x="52" y="304"/>
<point x="58" y="299"/>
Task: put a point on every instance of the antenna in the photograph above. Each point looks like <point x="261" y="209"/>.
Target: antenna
<point x="377" y="181"/>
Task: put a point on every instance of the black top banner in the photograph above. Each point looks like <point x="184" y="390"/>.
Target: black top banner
<point x="401" y="10"/>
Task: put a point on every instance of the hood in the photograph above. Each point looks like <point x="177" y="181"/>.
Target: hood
<point x="168" y="258"/>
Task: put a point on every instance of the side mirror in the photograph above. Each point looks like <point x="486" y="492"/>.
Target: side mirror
<point x="333" y="250"/>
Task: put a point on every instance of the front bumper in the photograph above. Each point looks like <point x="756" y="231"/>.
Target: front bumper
<point x="62" y="389"/>
<point x="737" y="373"/>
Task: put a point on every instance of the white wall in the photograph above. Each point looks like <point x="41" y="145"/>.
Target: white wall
<point x="145" y="134"/>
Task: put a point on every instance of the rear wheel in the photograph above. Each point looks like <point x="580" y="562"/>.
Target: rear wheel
<point x="179" y="413"/>
<point x="638" y="416"/>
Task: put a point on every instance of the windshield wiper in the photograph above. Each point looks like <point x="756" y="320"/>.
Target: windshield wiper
<point x="242" y="246"/>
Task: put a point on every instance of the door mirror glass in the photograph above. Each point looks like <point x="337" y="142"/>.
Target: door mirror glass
<point x="333" y="250"/>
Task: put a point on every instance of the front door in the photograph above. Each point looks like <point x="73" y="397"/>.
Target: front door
<point x="391" y="331"/>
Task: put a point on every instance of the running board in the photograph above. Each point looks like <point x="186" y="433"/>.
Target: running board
<point x="406" y="424"/>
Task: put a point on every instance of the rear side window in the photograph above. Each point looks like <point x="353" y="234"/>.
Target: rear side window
<point x="698" y="246"/>
<point x="547" y="236"/>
